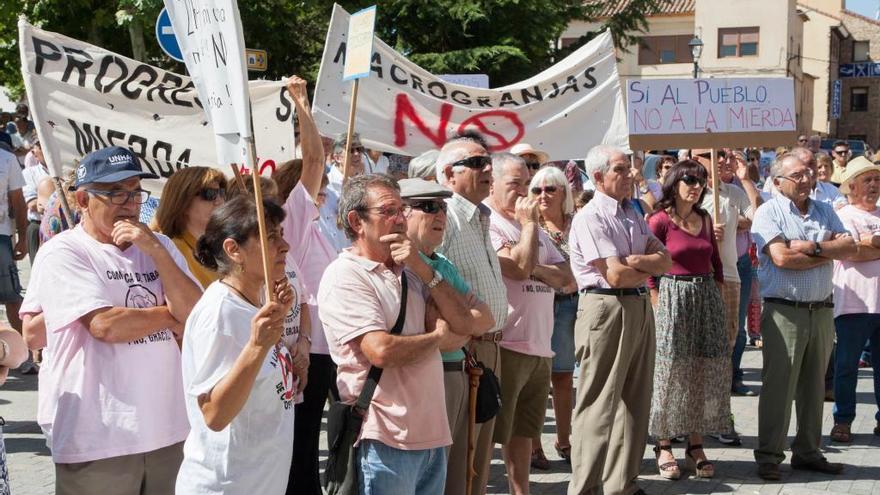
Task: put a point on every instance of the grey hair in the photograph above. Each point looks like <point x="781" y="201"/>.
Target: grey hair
<point x="452" y="152"/>
<point x="598" y="159"/>
<point x="342" y="138"/>
<point x="778" y="167"/>
<point x="499" y="160"/>
<point x="354" y="197"/>
<point x="552" y="176"/>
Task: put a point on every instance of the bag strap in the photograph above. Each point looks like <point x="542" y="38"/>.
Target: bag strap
<point x="366" y="396"/>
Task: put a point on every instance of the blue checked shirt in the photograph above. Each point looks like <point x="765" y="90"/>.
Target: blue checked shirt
<point x="779" y="218"/>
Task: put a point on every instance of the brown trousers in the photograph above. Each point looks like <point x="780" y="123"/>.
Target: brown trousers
<point x="149" y="473"/>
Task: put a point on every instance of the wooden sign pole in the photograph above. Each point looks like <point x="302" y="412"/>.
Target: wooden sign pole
<point x="351" y="115"/>
<point x="715" y="198"/>
<point x="261" y="219"/>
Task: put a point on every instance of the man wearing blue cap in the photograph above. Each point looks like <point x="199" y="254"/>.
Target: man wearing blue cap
<point x="113" y="297"/>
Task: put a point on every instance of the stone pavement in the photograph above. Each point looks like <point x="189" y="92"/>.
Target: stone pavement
<point x="31" y="471"/>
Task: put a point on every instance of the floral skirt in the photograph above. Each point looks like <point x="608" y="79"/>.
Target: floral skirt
<point x="692" y="373"/>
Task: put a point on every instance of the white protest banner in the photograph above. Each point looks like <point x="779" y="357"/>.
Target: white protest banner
<point x="472" y="80"/>
<point x="84" y="97"/>
<point x="706" y="113"/>
<point x="404" y="109"/>
<point x="210" y="37"/>
<point x="360" y="44"/>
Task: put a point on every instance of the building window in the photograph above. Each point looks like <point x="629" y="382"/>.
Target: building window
<point x="858" y="100"/>
<point x="737" y="42"/>
<point x="861" y="51"/>
<point x="654" y="50"/>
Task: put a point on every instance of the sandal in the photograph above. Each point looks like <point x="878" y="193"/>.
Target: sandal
<point x="703" y="469"/>
<point x="539" y="460"/>
<point x="668" y="470"/>
<point x="841" y="433"/>
<point x="564" y="452"/>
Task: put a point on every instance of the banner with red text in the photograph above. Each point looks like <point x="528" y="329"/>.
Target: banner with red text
<point x="404" y="109"/>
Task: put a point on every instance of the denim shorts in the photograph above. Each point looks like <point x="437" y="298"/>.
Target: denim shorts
<point x="10" y="287"/>
<point x="564" y="315"/>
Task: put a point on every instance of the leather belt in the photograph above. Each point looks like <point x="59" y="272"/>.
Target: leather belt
<point x="810" y="305"/>
<point x="697" y="279"/>
<point x="489" y="337"/>
<point x="641" y="291"/>
<point x="453" y="365"/>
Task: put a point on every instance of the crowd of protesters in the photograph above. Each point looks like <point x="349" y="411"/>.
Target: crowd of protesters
<point x="168" y="364"/>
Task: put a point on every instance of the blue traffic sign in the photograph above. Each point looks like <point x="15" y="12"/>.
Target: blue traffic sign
<point x="166" y="38"/>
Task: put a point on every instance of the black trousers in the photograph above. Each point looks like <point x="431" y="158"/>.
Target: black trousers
<point x="33" y="239"/>
<point x="304" y="473"/>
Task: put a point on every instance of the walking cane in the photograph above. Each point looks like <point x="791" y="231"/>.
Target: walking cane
<point x="474" y="374"/>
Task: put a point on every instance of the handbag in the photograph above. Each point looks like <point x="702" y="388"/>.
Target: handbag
<point x="344" y="424"/>
<point x="488" y="390"/>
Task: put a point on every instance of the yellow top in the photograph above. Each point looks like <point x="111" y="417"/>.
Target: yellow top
<point x="187" y="244"/>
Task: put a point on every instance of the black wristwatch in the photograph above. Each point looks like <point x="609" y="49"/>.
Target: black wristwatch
<point x="817" y="250"/>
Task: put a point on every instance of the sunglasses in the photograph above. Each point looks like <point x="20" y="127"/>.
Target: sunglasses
<point x="547" y="189"/>
<point x="841" y="152"/>
<point x="802" y="140"/>
<point x="690" y="180"/>
<point x="533" y="165"/>
<point x="478" y="162"/>
<point x="356" y="150"/>
<point x="429" y="207"/>
<point x="212" y="193"/>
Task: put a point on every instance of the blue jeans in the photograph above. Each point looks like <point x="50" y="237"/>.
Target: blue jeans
<point x="744" y="268"/>
<point x="853" y="331"/>
<point x="562" y="341"/>
<point x="385" y="470"/>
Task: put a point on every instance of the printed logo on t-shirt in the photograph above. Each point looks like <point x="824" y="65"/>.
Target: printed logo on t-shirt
<point x="140" y="296"/>
<point x="284" y="388"/>
<point x="291" y="321"/>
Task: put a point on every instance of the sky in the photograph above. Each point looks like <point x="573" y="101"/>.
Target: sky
<point x="867" y="8"/>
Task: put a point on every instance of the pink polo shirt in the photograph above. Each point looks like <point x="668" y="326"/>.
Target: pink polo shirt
<point x="602" y="229"/>
<point x="857" y="283"/>
<point x="358" y="296"/>
<point x="529" y="302"/>
<point x="312" y="252"/>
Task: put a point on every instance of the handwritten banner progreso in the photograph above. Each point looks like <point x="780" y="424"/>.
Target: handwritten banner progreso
<point x="404" y="109"/>
<point x="719" y="111"/>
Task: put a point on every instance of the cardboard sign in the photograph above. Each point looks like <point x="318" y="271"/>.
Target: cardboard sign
<point x="84" y="98"/>
<point x="404" y="109"/>
<point x="360" y="44"/>
<point x="704" y="113"/>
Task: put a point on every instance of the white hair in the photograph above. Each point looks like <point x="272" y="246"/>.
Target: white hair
<point x="500" y="161"/>
<point x="552" y="176"/>
<point x="598" y="159"/>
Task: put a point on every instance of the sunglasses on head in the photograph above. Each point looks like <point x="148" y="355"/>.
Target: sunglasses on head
<point x="478" y="162"/>
<point x="547" y="189"/>
<point x="690" y="180"/>
<point x="429" y="207"/>
<point x="211" y="193"/>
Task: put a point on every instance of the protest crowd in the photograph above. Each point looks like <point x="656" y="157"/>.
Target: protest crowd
<point x="482" y="278"/>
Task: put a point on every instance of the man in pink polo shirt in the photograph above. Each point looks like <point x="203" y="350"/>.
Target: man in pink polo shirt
<point x="401" y="448"/>
<point x="612" y="255"/>
<point x="531" y="268"/>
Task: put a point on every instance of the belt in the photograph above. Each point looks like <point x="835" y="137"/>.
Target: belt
<point x="810" y="305"/>
<point x="698" y="279"/>
<point x="489" y="337"/>
<point x="453" y="365"/>
<point x="641" y="291"/>
<point x="557" y="297"/>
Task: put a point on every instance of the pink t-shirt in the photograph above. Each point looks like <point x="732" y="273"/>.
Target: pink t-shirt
<point x="529" y="302"/>
<point x="857" y="283"/>
<point x="97" y="399"/>
<point x="358" y="296"/>
<point x="311" y="251"/>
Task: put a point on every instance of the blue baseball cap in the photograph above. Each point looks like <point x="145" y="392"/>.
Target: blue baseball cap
<point x="108" y="165"/>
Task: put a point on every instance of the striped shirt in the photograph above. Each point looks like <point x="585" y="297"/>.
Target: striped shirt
<point x="467" y="245"/>
<point x="779" y="218"/>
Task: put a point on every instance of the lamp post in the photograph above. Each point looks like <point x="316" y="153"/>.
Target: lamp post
<point x="696" y="45"/>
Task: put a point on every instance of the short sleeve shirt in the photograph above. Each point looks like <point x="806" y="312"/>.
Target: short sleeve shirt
<point x="857" y="283"/>
<point x="404" y="413"/>
<point x="779" y="218"/>
<point x="530" y="302"/>
<point x="733" y="204"/>
<point x="99" y="399"/>
<point x="604" y="228"/>
<point x="10" y="180"/>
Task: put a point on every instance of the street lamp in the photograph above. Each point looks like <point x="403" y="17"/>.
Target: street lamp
<point x="696" y="45"/>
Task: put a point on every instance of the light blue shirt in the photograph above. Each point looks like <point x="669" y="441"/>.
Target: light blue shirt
<point x="779" y="218"/>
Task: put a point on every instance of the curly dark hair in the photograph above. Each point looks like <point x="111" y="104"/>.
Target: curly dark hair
<point x="674" y="176"/>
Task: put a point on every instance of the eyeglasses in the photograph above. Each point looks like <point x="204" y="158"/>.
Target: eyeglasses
<point x="139" y="196"/>
<point x="691" y="180"/>
<point x="533" y="165"/>
<point x="547" y="189"/>
<point x="798" y="177"/>
<point x="429" y="207"/>
<point x="478" y="162"/>
<point x="212" y="193"/>
<point x="385" y="211"/>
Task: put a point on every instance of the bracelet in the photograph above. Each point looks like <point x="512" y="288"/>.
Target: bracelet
<point x="5" y="347"/>
<point x="438" y="277"/>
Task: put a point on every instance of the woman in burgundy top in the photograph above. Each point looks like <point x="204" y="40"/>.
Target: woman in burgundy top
<point x="693" y="355"/>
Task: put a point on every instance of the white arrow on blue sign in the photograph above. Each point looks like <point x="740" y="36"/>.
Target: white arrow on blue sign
<point x="165" y="36"/>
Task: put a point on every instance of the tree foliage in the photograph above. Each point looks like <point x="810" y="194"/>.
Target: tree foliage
<point x="508" y="39"/>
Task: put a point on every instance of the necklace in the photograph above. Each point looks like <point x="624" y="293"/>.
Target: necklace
<point x="683" y="219"/>
<point x="240" y="293"/>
